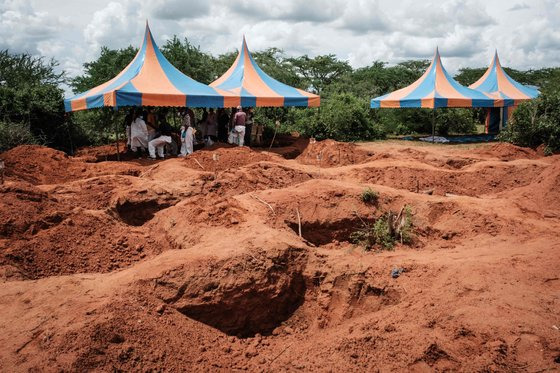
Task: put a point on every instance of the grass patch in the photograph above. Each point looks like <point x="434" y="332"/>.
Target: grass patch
<point x="369" y="196"/>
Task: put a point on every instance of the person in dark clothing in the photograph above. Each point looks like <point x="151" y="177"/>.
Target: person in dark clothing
<point x="127" y="123"/>
<point x="223" y="121"/>
<point x="204" y="117"/>
<point x="248" y="126"/>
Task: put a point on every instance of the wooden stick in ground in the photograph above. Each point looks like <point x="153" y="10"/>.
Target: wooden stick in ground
<point x="196" y="160"/>
<point x="281" y="352"/>
<point x="276" y="125"/>
<point x="1" y="172"/>
<point x="298" y="221"/>
<point x="117" y="137"/>
<point x="264" y="202"/>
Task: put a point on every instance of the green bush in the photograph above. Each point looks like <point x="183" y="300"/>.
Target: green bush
<point x="419" y="121"/>
<point x="14" y="134"/>
<point x="370" y="235"/>
<point x="536" y="122"/>
<point x="369" y="196"/>
<point x="382" y="233"/>
<point x="342" y="117"/>
<point x="385" y="231"/>
<point x="405" y="229"/>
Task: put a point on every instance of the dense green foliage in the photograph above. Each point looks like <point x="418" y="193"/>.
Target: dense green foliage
<point x="31" y="100"/>
<point x="536" y="122"/>
<point x="14" y="134"/>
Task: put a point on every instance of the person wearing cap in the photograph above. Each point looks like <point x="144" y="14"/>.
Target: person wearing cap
<point x="239" y="125"/>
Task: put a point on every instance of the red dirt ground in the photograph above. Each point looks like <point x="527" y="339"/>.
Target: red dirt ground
<point x="170" y="266"/>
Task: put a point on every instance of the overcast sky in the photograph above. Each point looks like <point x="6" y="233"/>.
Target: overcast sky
<point x="525" y="32"/>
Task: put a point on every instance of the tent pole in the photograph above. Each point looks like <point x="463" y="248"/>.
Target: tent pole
<point x="117" y="137"/>
<point x="433" y="124"/>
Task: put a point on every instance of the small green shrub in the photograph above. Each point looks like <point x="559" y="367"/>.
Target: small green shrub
<point x="377" y="233"/>
<point x="369" y="196"/>
<point x="405" y="228"/>
<point x="364" y="238"/>
<point x="382" y="232"/>
<point x="14" y="134"/>
<point x="385" y="231"/>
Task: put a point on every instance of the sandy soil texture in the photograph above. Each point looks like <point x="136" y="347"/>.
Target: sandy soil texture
<point x="197" y="264"/>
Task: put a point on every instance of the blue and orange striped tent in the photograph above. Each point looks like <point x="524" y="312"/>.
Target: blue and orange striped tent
<point x="436" y="89"/>
<point x="496" y="81"/>
<point x="253" y="87"/>
<point x="150" y="80"/>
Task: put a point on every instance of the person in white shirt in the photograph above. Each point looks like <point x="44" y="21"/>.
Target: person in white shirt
<point x="187" y="136"/>
<point x="138" y="132"/>
<point x="163" y="138"/>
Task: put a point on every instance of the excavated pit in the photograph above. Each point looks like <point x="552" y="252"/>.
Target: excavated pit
<point x="320" y="233"/>
<point x="137" y="213"/>
<point x="241" y="296"/>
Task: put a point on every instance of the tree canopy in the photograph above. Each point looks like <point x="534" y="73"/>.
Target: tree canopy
<point x="31" y="98"/>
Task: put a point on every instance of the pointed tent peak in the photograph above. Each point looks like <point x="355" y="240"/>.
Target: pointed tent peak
<point x="147" y="31"/>
<point x="437" y="57"/>
<point x="436" y="61"/>
<point x="244" y="44"/>
<point x="496" y="59"/>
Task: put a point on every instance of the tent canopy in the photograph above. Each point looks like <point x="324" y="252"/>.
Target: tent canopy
<point x="435" y="89"/>
<point x="496" y="81"/>
<point x="253" y="87"/>
<point x="150" y="80"/>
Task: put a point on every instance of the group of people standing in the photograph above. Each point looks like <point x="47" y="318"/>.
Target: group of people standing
<point x="147" y="131"/>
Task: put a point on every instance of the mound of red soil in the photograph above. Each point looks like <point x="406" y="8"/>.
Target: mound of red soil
<point x="220" y="158"/>
<point x="542" y="195"/>
<point x="508" y="152"/>
<point x="471" y="182"/>
<point x="76" y="242"/>
<point x="101" y="153"/>
<point x="330" y="153"/>
<point x="42" y="165"/>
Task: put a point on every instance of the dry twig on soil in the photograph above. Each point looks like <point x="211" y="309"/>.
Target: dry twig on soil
<point x="298" y="221"/>
<point x="196" y="160"/>
<point x="262" y="201"/>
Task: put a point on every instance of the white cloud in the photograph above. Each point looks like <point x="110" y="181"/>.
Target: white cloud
<point x="22" y="28"/>
<point x="429" y="20"/>
<point x="179" y="9"/>
<point x="519" y="6"/>
<point x="359" y="31"/>
<point x="362" y="16"/>
<point x="295" y="11"/>
<point x="117" y="25"/>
